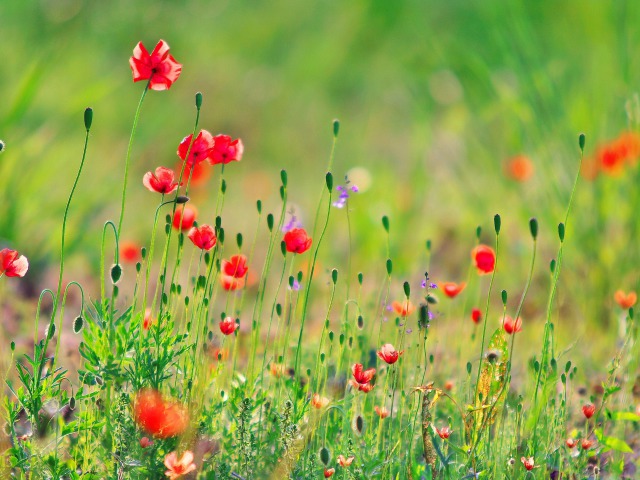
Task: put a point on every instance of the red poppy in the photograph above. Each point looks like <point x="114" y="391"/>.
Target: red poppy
<point x="328" y="472"/>
<point x="361" y="377"/>
<point x="177" y="468"/>
<point x="484" y="258"/>
<point x="571" y="442"/>
<point x="345" y="462"/>
<point x="452" y="289"/>
<point x="145" y="442"/>
<point x="12" y="264"/>
<point x="183" y="220"/>
<point x="228" y="326"/>
<point x="235" y="267"/>
<point x="625" y="300"/>
<point x="160" y="68"/>
<point x="147" y="320"/>
<point x="226" y="150"/>
<point x="129" y="252"/>
<point x="403" y="309"/>
<point x="162" y="181"/>
<point x="476" y="315"/>
<point x="200" y="150"/>
<point x="297" y="241"/>
<point x="528" y="463"/>
<point x="519" y="168"/>
<point x="203" y="237"/>
<point x="444" y="432"/>
<point x="159" y="417"/>
<point x="382" y="412"/>
<point x="319" y="401"/>
<point x="586" y="444"/>
<point x="589" y="410"/>
<point x="510" y="326"/>
<point x="389" y="354"/>
<point x="200" y="174"/>
<point x="231" y="283"/>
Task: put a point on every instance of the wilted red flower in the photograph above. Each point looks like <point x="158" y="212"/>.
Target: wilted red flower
<point x="345" y="462"/>
<point x="382" y="412"/>
<point x="361" y="377"/>
<point x="183" y="220"/>
<point x="228" y="326"/>
<point x="145" y="442"/>
<point x="203" y="237"/>
<point x="226" y="150"/>
<point x="586" y="444"/>
<point x="159" y="417"/>
<point x="528" y="463"/>
<point x="297" y="241"/>
<point x="484" y="258"/>
<point x="389" y="354"/>
<point x="177" y="468"/>
<point x="625" y="300"/>
<point x="476" y="315"/>
<point x="588" y="410"/>
<point x="571" y="442"/>
<point x="200" y="174"/>
<point x="444" y="432"/>
<point x="452" y="289"/>
<point x="510" y="326"/>
<point x="319" y="401"/>
<point x="403" y="309"/>
<point x="162" y="181"/>
<point x="200" y="150"/>
<point x="129" y="252"/>
<point x="147" y="320"/>
<point x="160" y="68"/>
<point x="328" y="472"/>
<point x="12" y="264"/>
<point x="236" y="266"/>
<point x="519" y="168"/>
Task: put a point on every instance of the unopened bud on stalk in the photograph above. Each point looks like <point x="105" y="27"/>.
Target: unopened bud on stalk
<point x="239" y="240"/>
<point x="259" y="206"/>
<point x="385" y="223"/>
<point x="78" y="323"/>
<point x="533" y="228"/>
<point x="270" y="222"/>
<point x="116" y="273"/>
<point x="389" y="266"/>
<point x="198" y="100"/>
<point x="478" y="231"/>
<point x="407" y="289"/>
<point x="360" y="278"/>
<point x="88" y="118"/>
<point x="283" y="248"/>
<point x="428" y="245"/>
<point x="329" y="181"/>
<point x="182" y="199"/>
<point x="334" y="276"/>
<point x="504" y="297"/>
<point x="223" y="186"/>
<point x="497" y="223"/>
<point x="336" y="127"/>
<point x="561" y="232"/>
<point x="283" y="177"/>
<point x="581" y="142"/>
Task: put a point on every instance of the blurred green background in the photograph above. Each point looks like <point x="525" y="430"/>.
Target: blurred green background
<point x="433" y="98"/>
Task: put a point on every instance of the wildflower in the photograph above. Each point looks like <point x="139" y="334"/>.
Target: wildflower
<point x="528" y="463"/>
<point x="203" y="237"/>
<point x="231" y="283"/>
<point x="129" y="252"/>
<point x="389" y="354"/>
<point x="277" y="369"/>
<point x="382" y="412"/>
<point x="236" y="266"/>
<point x="197" y="173"/>
<point x="571" y="442"/>
<point x="344" y="194"/>
<point x="297" y="241"/>
<point x="586" y="444"/>
<point x="147" y="320"/>
<point x="226" y="150"/>
<point x="484" y="258"/>
<point x="452" y="289"/>
<point x="160" y="68"/>
<point x="200" y="150"/>
<point x="444" y="432"/>
<point x="345" y="462"/>
<point x="318" y="401"/>
<point x="160" y="418"/>
<point x="162" y="181"/>
<point x="510" y="326"/>
<point x="519" y="168"/>
<point x="177" y="468"/>
<point x="588" y="410"/>
<point x="145" y="442"/>
<point x="476" y="315"/>
<point x="403" y="309"/>
<point x="11" y="264"/>
<point x="184" y="217"/>
<point x="625" y="300"/>
<point x="361" y="378"/>
<point x="328" y="472"/>
<point x="448" y="385"/>
<point x="612" y="157"/>
<point x="228" y="326"/>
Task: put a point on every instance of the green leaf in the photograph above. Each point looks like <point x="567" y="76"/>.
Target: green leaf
<point x="630" y="416"/>
<point x="612" y="443"/>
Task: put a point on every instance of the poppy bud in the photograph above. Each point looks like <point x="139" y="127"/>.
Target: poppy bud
<point x="281" y="193"/>
<point x="223" y="186"/>
<point x="198" y="100"/>
<point x="497" y="223"/>
<point x="336" y="127"/>
<point x="329" y="181"/>
<point x="72" y="403"/>
<point x="389" y="266"/>
<point x="270" y="221"/>
<point x="259" y="206"/>
<point x="182" y="199"/>
<point x="334" y="276"/>
<point x="78" y="323"/>
<point x="239" y="240"/>
<point x="325" y="455"/>
<point x="283" y="177"/>
<point x="504" y="297"/>
<point x="533" y="228"/>
<point x="360" y="278"/>
<point x="561" y="231"/>
<point x="581" y="142"/>
<point x="428" y="245"/>
<point x="88" y="118"/>
<point x="1" y="146"/>
<point x="116" y="273"/>
<point x="478" y="231"/>
<point x="385" y="223"/>
<point x="407" y="288"/>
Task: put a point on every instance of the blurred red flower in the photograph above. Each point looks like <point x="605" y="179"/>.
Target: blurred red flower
<point x="510" y="326"/>
<point x="226" y="150"/>
<point x="228" y="326"/>
<point x="162" y="181"/>
<point x="200" y="174"/>
<point x="484" y="258"/>
<point x="177" y="468"/>
<point x="203" y="237"/>
<point x="389" y="354"/>
<point x="183" y="220"/>
<point x="444" y="432"/>
<point x="200" y="150"/>
<point x="625" y="300"/>
<point x="403" y="309"/>
<point x="159" y="417"/>
<point x="129" y="251"/>
<point x="528" y="463"/>
<point x="236" y="266"/>
<point x="589" y="410"/>
<point x="12" y="264"/>
<point x="160" y="68"/>
<point x="382" y="412"/>
<point x="361" y="377"/>
<point x="476" y="315"/>
<point x="452" y="289"/>
<point x="297" y="241"/>
<point x="345" y="462"/>
<point x="519" y="168"/>
<point x="328" y="472"/>
<point x="231" y="283"/>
